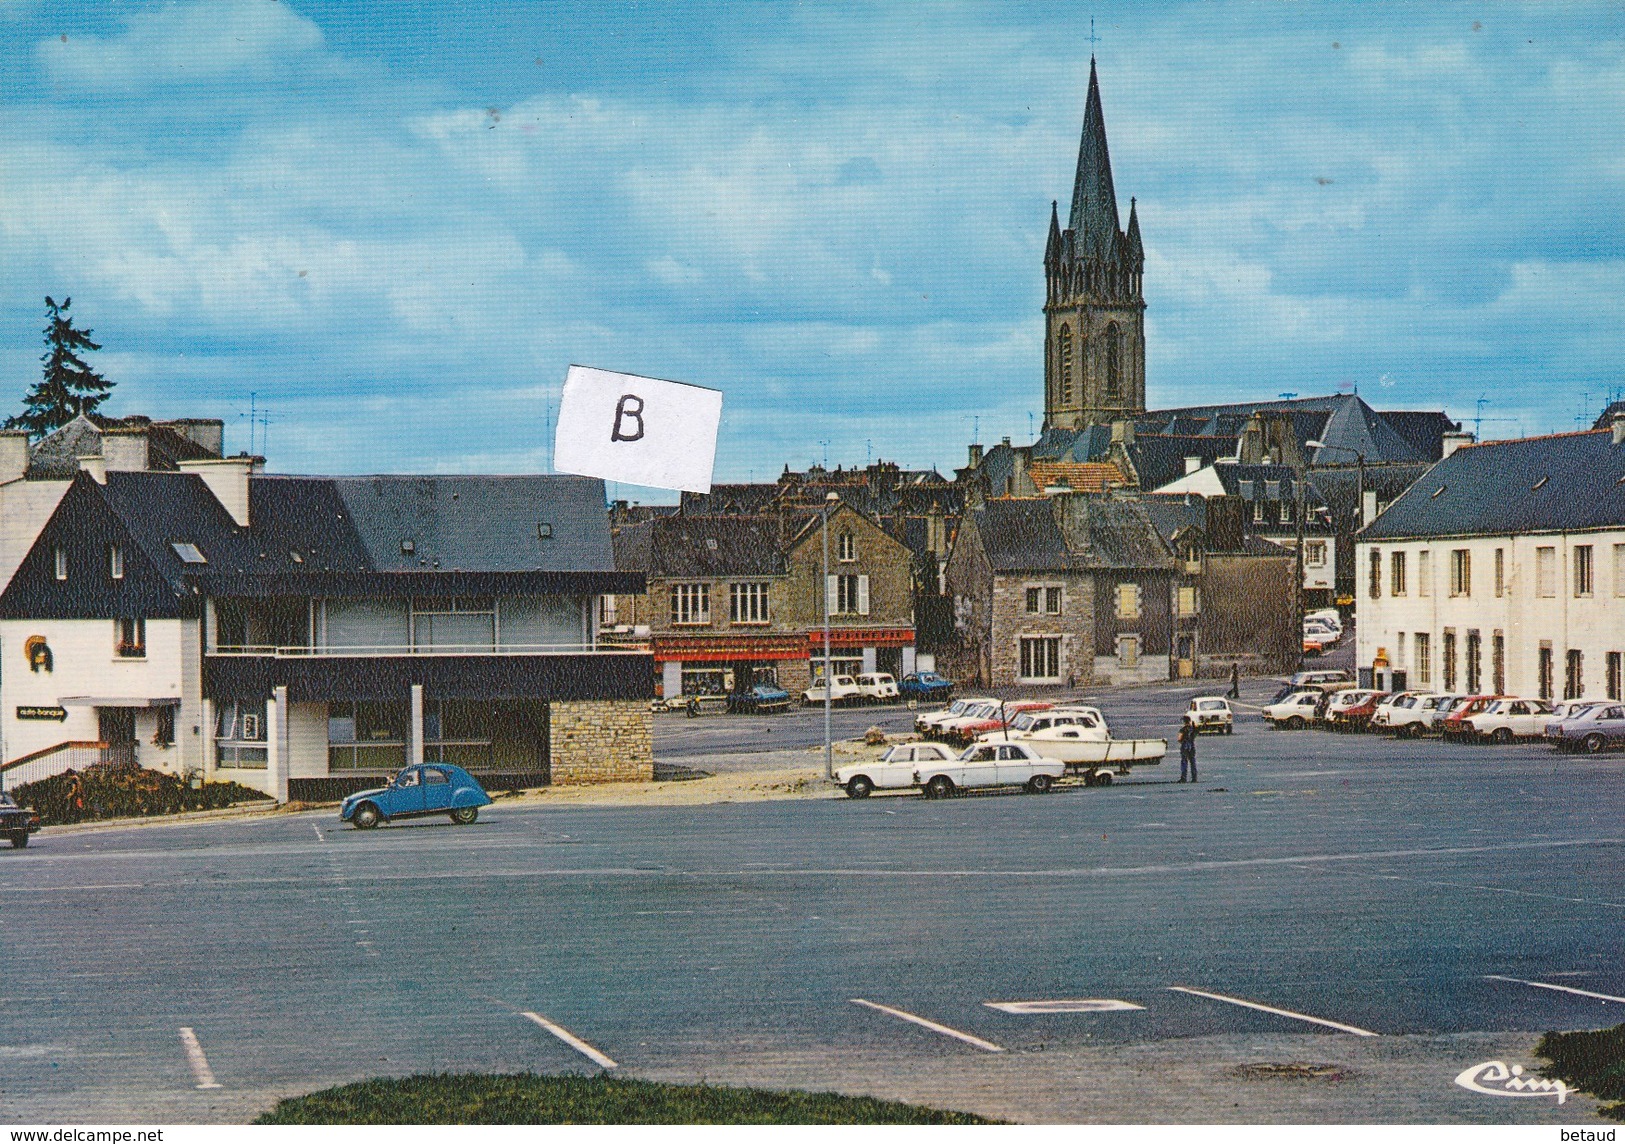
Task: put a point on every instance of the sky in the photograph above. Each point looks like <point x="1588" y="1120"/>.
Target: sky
<point x="392" y="227"/>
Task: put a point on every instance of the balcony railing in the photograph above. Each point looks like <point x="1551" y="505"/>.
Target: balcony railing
<point x="362" y="651"/>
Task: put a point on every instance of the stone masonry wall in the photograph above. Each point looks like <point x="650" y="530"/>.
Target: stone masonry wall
<point x="1011" y="621"/>
<point x="601" y="741"/>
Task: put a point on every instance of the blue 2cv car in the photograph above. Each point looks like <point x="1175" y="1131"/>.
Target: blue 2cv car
<point x="432" y="788"/>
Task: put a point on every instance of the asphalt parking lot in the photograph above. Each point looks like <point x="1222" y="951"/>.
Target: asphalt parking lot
<point x="1327" y="928"/>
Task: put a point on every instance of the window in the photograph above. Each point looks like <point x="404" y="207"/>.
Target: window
<point x="1424" y="573"/>
<point x="1396" y="574"/>
<point x="1066" y="365"/>
<point x="1052" y="601"/>
<point x="1128" y="601"/>
<point x="1314" y="553"/>
<point x="1041" y="657"/>
<point x="115" y="562"/>
<point x="1475" y="664"/>
<point x="1544" y="669"/>
<point x="189" y="553"/>
<point x="1498" y="662"/>
<point x="1582" y="570"/>
<point x="465" y="623"/>
<point x="1573" y="674"/>
<point x="1128" y="651"/>
<point x="847" y="547"/>
<point x="1448" y="654"/>
<point x="1614" y="676"/>
<point x="1500" y="572"/>
<point x="1043" y="601"/>
<point x="1619" y="569"/>
<point x="164" y="736"/>
<point x="371" y="736"/>
<point x="239" y="734"/>
<point x="1375" y="588"/>
<point x="1461" y="572"/>
<point x="1187" y="601"/>
<point x="130" y="637"/>
<point x="747" y="603"/>
<point x="690" y="604"/>
<point x="849" y="595"/>
<point x="1258" y="512"/>
<point x="1114" y="360"/>
<point x="61" y="563"/>
<point x="606" y="610"/>
<point x="1423" y="657"/>
<point x="1545" y="575"/>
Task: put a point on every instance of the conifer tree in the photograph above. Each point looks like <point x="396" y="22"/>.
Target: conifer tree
<point x="69" y="386"/>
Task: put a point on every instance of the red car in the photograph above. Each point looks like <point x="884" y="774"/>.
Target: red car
<point x="967" y="732"/>
<point x="1357" y="716"/>
<point x="1455" y="725"/>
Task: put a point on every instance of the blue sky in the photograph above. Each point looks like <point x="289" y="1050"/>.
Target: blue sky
<point x="397" y="224"/>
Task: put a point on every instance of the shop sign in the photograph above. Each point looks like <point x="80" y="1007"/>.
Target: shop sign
<point x="57" y="714"/>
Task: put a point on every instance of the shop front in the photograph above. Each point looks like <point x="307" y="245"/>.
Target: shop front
<point x="856" y="651"/>
<point x="722" y="665"/>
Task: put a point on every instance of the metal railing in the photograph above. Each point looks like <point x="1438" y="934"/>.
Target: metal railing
<point x="354" y="651"/>
<point x="74" y="755"/>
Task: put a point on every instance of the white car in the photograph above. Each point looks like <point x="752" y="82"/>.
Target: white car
<point x="1321" y="627"/>
<point x="894" y="770"/>
<point x="1509" y="719"/>
<point x="1327" y="616"/>
<point x="989" y="765"/>
<point x="1088" y="720"/>
<point x="928" y="723"/>
<point x="1295" y="711"/>
<point x="1392" y="712"/>
<point x="976" y="713"/>
<point x="845" y="690"/>
<point x="1211" y="713"/>
<point x="877" y="687"/>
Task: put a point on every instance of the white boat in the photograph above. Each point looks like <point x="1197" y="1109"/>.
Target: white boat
<point x="1074" y="747"/>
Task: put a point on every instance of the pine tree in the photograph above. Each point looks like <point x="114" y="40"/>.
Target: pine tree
<point x="69" y="387"/>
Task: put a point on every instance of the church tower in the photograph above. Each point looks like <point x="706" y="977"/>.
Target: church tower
<point x="1094" y="311"/>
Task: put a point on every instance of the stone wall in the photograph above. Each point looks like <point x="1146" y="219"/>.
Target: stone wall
<point x="601" y="741"/>
<point x="1011" y="621"/>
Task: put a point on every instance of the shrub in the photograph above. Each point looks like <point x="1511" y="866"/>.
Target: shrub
<point x="119" y="790"/>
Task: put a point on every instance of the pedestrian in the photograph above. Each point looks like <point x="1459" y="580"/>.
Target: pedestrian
<point x="1187" y="750"/>
<point x="1235" y="680"/>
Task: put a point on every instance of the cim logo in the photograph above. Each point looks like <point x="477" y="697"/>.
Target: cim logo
<point x="38" y="653"/>
<point x="1496" y="1078"/>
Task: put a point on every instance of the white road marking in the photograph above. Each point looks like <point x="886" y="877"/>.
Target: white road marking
<point x="987" y="1046"/>
<point x="1557" y="988"/>
<point x="1356" y="1030"/>
<point x="200" y="1063"/>
<point x="571" y="1039"/>
<point x="318" y="831"/>
<point x="1082" y="1005"/>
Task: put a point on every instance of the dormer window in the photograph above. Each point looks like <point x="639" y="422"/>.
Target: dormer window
<point x="115" y="562"/>
<point x="61" y="563"/>
<point x="189" y="553"/>
<point x="848" y="547"/>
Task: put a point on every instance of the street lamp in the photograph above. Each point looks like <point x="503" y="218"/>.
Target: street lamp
<point x="830" y="500"/>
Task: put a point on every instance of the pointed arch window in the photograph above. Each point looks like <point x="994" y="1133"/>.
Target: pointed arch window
<point x="1114" y="360"/>
<point x="1066" y="365"/>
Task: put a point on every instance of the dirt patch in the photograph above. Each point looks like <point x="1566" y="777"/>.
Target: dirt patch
<point x="735" y="786"/>
<point x="1289" y="1070"/>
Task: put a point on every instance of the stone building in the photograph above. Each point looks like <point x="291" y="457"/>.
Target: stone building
<point x="1071" y="589"/>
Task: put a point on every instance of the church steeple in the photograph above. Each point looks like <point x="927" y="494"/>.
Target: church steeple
<point x="1094" y="354"/>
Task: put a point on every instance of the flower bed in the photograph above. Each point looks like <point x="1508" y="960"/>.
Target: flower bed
<point x="116" y="790"/>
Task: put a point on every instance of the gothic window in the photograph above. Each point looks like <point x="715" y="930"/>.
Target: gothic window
<point x="1114" y="360"/>
<point x="1066" y="365"/>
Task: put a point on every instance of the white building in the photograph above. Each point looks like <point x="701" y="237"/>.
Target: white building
<point x="1503" y="570"/>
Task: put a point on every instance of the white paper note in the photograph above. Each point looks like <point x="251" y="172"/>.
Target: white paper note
<point x="639" y="430"/>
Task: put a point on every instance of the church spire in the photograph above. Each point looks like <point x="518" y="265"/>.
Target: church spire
<point x="1094" y="201"/>
<point x="1136" y="249"/>
<point x="1052" y="248"/>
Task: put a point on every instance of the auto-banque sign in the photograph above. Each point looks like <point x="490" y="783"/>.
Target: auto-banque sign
<point x="59" y="714"/>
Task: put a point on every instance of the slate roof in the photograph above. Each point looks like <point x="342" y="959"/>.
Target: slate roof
<point x="55" y="455"/>
<point x="1568" y="482"/>
<point x="1094" y="200"/>
<point x="1342" y="421"/>
<point x="1159" y="459"/>
<point x="1026" y="534"/>
<point x="702" y="547"/>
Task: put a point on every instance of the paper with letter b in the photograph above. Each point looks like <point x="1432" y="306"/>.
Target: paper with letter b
<point x="639" y="430"/>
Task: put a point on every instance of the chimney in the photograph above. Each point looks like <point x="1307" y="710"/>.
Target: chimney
<point x="13" y="454"/>
<point x="1454" y="441"/>
<point x="1192" y="464"/>
<point x="1122" y="432"/>
<point x="203" y="432"/>
<point x="1225" y="517"/>
<point x="227" y="478"/>
<point x="975" y="457"/>
<point x="95" y="465"/>
<point x="1019" y="480"/>
<point x="1619" y="428"/>
<point x="124" y="448"/>
<point x="1071" y="511"/>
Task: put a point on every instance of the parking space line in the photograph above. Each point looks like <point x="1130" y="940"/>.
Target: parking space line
<point x="901" y="1015"/>
<point x="1556" y="988"/>
<point x="1355" y="1029"/>
<point x="1079" y="1005"/>
<point x="194" y="1057"/>
<point x="571" y="1039"/>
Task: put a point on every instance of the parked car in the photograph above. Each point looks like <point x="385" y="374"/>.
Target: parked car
<point x="1593" y="730"/>
<point x="17" y="822"/>
<point x="694" y="704"/>
<point x="1352" y="710"/>
<point x="1293" y="712"/>
<point x="1398" y="710"/>
<point x="415" y="792"/>
<point x="1567" y="709"/>
<point x="989" y="765"/>
<point x="877" y="687"/>
<point x="1327" y="616"/>
<point x="1088" y="720"/>
<point x="844" y="691"/>
<point x="1211" y="713"/>
<point x="928" y="723"/>
<point x="894" y="770"/>
<point x="966" y="728"/>
<point x="759" y="699"/>
<point x="925" y="687"/>
<point x="1305" y="680"/>
<point x="1509" y="719"/>
<point x="1455" y="725"/>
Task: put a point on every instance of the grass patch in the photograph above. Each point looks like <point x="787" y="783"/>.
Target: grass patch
<point x="1593" y="1062"/>
<point x="525" y="1098"/>
<point x="114" y="790"/>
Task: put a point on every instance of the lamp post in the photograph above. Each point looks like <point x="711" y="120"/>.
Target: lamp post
<point x="830" y="500"/>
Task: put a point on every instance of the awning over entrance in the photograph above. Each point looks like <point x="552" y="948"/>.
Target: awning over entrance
<point x="125" y="701"/>
<point x="861" y="637"/>
<point x="729" y="649"/>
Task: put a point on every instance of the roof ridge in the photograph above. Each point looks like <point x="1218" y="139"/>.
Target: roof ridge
<point x="1536" y="437"/>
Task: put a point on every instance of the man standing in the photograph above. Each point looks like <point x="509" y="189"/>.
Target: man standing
<point x="1187" y="750"/>
<point x="1235" y="680"/>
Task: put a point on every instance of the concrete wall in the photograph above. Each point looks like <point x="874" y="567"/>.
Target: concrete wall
<point x="601" y="740"/>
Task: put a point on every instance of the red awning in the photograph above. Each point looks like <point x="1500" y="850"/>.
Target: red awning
<point x="861" y="637"/>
